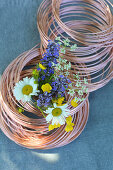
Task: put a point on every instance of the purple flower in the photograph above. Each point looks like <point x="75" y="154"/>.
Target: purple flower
<point x="43" y="77"/>
<point x="69" y="81"/>
<point x="63" y="88"/>
<point x="44" y="99"/>
<point x="55" y="61"/>
<point x="51" y="71"/>
<point x="49" y="64"/>
<point x="61" y="76"/>
<point x="39" y="69"/>
<point x="45" y="71"/>
<point x="38" y="103"/>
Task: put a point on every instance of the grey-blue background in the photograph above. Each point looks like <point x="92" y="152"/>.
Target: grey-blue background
<point x="93" y="149"/>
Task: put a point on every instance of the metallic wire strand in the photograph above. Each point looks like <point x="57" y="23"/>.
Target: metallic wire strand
<point x="33" y="132"/>
<point x="87" y="23"/>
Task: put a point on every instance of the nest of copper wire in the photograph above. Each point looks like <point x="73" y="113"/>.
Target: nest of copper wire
<point x="30" y="129"/>
<point x="87" y="23"/>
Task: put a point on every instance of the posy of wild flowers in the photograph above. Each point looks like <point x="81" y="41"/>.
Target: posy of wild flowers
<point x="50" y="83"/>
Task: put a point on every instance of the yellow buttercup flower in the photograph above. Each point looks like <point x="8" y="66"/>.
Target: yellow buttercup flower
<point x="74" y="103"/>
<point x="41" y="66"/>
<point x="51" y="127"/>
<point x="68" y="119"/>
<point x="59" y="101"/>
<point x="68" y="128"/>
<point x="56" y="126"/>
<point x="70" y="125"/>
<point x="46" y="87"/>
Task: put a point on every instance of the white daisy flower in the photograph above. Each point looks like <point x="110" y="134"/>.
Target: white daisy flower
<point x="24" y="89"/>
<point x="57" y="114"/>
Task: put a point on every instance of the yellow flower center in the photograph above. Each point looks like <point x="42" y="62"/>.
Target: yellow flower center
<point x="56" y="112"/>
<point x="74" y="103"/>
<point x="27" y="89"/>
<point x="41" y="66"/>
<point x="46" y="87"/>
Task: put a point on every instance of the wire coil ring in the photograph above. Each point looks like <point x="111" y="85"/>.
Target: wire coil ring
<point x="33" y="132"/>
<point x="93" y="35"/>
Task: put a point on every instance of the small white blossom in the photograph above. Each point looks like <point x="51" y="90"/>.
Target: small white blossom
<point x="73" y="47"/>
<point x="78" y="83"/>
<point x="80" y="92"/>
<point x="55" y="77"/>
<point x="85" y="81"/>
<point x="71" y="92"/>
<point x="77" y="76"/>
<point x="64" y="61"/>
<point x="60" y="43"/>
<point x="67" y="66"/>
<point x="70" y="85"/>
<point x="59" y="66"/>
<point x="60" y="60"/>
<point x="62" y="50"/>
<point x="58" y="39"/>
<point x="66" y="42"/>
<point x="82" y="99"/>
<point x="62" y="68"/>
<point x="83" y="88"/>
<point x="67" y="73"/>
<point x="53" y="64"/>
<point x="86" y="90"/>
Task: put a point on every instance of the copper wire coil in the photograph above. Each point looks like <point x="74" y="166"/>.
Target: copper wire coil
<point x="26" y="130"/>
<point x="87" y="23"/>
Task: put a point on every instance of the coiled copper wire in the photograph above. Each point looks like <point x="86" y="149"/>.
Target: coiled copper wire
<point x="23" y="129"/>
<point x="89" y="24"/>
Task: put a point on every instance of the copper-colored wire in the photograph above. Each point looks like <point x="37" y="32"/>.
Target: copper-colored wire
<point x="89" y="24"/>
<point x="33" y="132"/>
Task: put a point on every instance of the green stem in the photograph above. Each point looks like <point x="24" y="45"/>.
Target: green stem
<point x="51" y="77"/>
<point x="41" y="111"/>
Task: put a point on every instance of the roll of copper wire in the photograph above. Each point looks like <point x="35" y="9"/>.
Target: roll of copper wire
<point x="29" y="131"/>
<point x="87" y="23"/>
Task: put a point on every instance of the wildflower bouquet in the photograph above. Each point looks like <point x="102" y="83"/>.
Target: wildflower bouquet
<point x="53" y="88"/>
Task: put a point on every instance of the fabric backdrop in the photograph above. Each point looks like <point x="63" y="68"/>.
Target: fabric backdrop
<point x="93" y="149"/>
